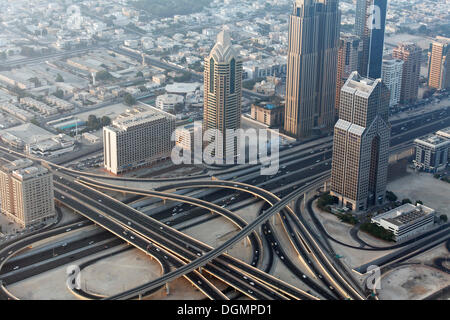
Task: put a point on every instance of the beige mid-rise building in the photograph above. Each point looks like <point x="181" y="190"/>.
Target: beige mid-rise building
<point x="26" y="192"/>
<point x="411" y="55"/>
<point x="223" y="94"/>
<point x="138" y="140"/>
<point x="439" y="64"/>
<point x="267" y="113"/>
<point x="350" y="47"/>
<point x="361" y="144"/>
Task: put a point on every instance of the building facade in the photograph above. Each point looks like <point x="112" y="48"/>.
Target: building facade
<point x="445" y="133"/>
<point x="411" y="55"/>
<point x="350" y="47"/>
<point x="406" y="221"/>
<point x="223" y="95"/>
<point x="438" y="64"/>
<point x="311" y="67"/>
<point x="431" y="153"/>
<point x="370" y="24"/>
<point x="169" y="102"/>
<point x="26" y="193"/>
<point x="268" y="114"/>
<point x="137" y="140"/>
<point x="392" y="75"/>
<point x="361" y="144"/>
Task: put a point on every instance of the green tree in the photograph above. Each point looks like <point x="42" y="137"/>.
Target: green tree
<point x="419" y="202"/>
<point x="59" y="94"/>
<point x="106" y="121"/>
<point x="391" y="196"/>
<point x="443" y="218"/>
<point x="92" y="122"/>
<point x="59" y="78"/>
<point x="139" y="74"/>
<point x="129" y="100"/>
<point x="103" y="75"/>
<point x="377" y="231"/>
<point x="405" y="201"/>
<point x="179" y="107"/>
<point x="326" y="200"/>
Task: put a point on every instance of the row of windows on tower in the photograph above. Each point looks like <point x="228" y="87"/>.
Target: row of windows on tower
<point x="232" y="75"/>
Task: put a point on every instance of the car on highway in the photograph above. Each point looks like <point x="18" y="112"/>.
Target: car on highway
<point x="67" y="230"/>
<point x="91" y="242"/>
<point x="16" y="267"/>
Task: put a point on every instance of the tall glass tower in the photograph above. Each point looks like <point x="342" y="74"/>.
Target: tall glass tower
<point x="314" y="29"/>
<point x="370" y="24"/>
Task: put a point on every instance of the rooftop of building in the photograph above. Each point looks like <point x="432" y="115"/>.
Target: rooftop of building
<point x="132" y="119"/>
<point x="183" y="88"/>
<point x="361" y="84"/>
<point x="433" y="140"/>
<point x="268" y="106"/>
<point x="391" y="62"/>
<point x="28" y="133"/>
<point x="16" y="165"/>
<point x="29" y="172"/>
<point x="444" y="133"/>
<point x="405" y="214"/>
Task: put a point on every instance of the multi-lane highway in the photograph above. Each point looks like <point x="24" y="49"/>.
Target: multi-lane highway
<point x="298" y="167"/>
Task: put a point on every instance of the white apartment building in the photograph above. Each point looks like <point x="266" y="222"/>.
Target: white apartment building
<point x="392" y="74"/>
<point x="406" y="221"/>
<point x="26" y="192"/>
<point x="167" y="102"/>
<point x="137" y="140"/>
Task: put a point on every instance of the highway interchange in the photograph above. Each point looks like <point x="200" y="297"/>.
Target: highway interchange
<point x="155" y="231"/>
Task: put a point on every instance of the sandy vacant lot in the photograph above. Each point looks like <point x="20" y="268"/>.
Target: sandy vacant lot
<point x="422" y="186"/>
<point x="412" y="283"/>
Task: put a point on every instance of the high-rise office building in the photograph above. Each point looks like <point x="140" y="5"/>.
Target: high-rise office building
<point x="411" y="55"/>
<point x="392" y="74"/>
<point x="26" y="192"/>
<point x="137" y="140"/>
<point x="223" y="94"/>
<point x="370" y="23"/>
<point x="439" y="64"/>
<point x="350" y="47"/>
<point x="311" y="67"/>
<point x="361" y="144"/>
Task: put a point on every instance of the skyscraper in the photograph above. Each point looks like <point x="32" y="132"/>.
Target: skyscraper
<point x="361" y="144"/>
<point x="411" y="54"/>
<point x="350" y="47"/>
<point x="438" y="64"/>
<point x="392" y="74"/>
<point x="370" y="23"/>
<point x="223" y="93"/>
<point x="311" y="66"/>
